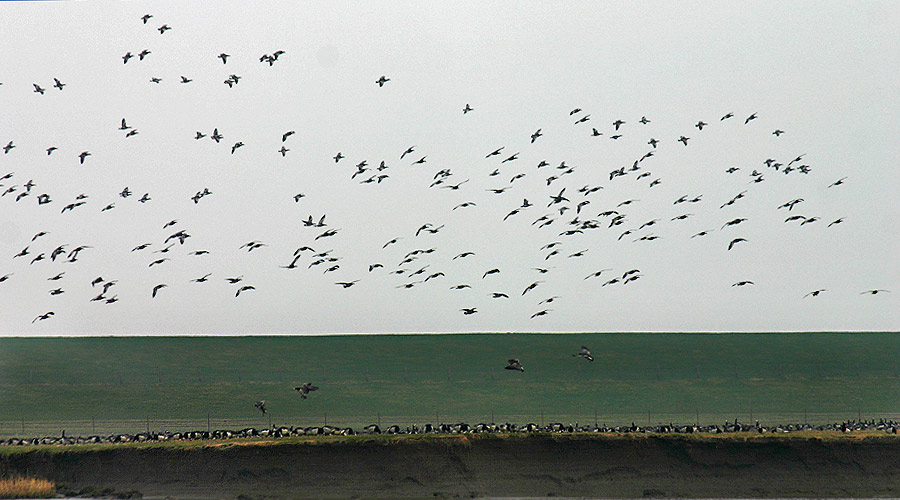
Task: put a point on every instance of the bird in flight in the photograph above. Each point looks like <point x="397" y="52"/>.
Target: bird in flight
<point x="58" y="84"/>
<point x="38" y="89"/>
<point x="44" y="316"/>
<point x="585" y="353"/>
<point x="734" y="242"/>
<point x="874" y="292"/>
<point x="224" y="57"/>
<point x="146" y="17"/>
<point x="157" y="288"/>
<point x="514" y="364"/>
<point x="382" y="80"/>
<point x="261" y="406"/>
<point x="467" y="109"/>
<point x="82" y="156"/>
<point x="814" y="293"/>
<point x="162" y="29"/>
<point x="305" y="389"/>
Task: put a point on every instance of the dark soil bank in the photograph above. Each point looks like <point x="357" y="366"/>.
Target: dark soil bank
<point x="538" y="465"/>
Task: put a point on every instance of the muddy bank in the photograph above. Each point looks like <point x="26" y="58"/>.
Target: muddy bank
<point x="473" y="466"/>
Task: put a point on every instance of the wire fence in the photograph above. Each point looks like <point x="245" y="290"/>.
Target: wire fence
<point x="103" y="427"/>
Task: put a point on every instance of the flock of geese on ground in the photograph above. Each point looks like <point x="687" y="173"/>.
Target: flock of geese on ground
<point x="564" y="210"/>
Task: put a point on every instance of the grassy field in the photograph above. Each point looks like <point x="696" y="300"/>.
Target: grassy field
<point x="129" y="384"/>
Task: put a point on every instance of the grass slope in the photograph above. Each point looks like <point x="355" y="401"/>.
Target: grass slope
<point x="447" y="377"/>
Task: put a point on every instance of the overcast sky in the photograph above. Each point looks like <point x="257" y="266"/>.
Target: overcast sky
<point x="824" y="73"/>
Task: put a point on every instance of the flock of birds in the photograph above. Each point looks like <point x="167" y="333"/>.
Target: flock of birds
<point x="562" y="214"/>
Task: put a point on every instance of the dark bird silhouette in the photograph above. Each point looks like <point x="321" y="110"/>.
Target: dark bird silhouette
<point x="837" y="182"/>
<point x="777" y="132"/>
<point x="216" y="136"/>
<point x="585" y="353"/>
<point x="38" y="89"/>
<point x="244" y="289"/>
<point x="492" y="271"/>
<point x="162" y="29"/>
<point x="382" y="80"/>
<point x="146" y="17"/>
<point x="467" y="109"/>
<point x="751" y="117"/>
<point x="700" y="125"/>
<point x="305" y="389"/>
<point x="126" y="57"/>
<point x="8" y="147"/>
<point x="142" y="54"/>
<point x="734" y="242"/>
<point x="514" y="364"/>
<point x="185" y="79"/>
<point x="683" y="140"/>
<point x="814" y="293"/>
<point x="224" y="57"/>
<point x="236" y="145"/>
<point x="261" y="406"/>
<point x="726" y="116"/>
<point x="44" y="316"/>
<point x="82" y="156"/>
<point x="58" y="84"/>
<point x="836" y="221"/>
<point x="874" y="292"/>
<point x="157" y="288"/>
<point x="742" y="283"/>
<point x="543" y="312"/>
<point x="535" y="135"/>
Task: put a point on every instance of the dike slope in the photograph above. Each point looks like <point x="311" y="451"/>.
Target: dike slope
<point x="622" y="466"/>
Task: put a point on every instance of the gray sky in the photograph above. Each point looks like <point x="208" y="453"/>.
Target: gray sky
<point x="823" y="72"/>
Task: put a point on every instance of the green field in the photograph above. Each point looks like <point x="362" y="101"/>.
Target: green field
<point x="125" y="384"/>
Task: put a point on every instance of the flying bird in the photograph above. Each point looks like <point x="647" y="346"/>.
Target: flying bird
<point x="382" y="80"/>
<point x="514" y="364"/>
<point x="585" y="353"/>
<point x="305" y="389"/>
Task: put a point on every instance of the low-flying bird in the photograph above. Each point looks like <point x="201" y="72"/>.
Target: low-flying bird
<point x="542" y="312"/>
<point x="305" y="389"/>
<point x="514" y="364"/>
<point x="261" y="406"/>
<point x="585" y="353"/>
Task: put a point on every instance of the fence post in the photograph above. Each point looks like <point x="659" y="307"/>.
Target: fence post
<point x="595" y="417"/>
<point x="148" y="424"/>
<point x="207" y="423"/>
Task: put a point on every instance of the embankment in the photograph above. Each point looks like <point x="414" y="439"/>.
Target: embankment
<point x="491" y="465"/>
